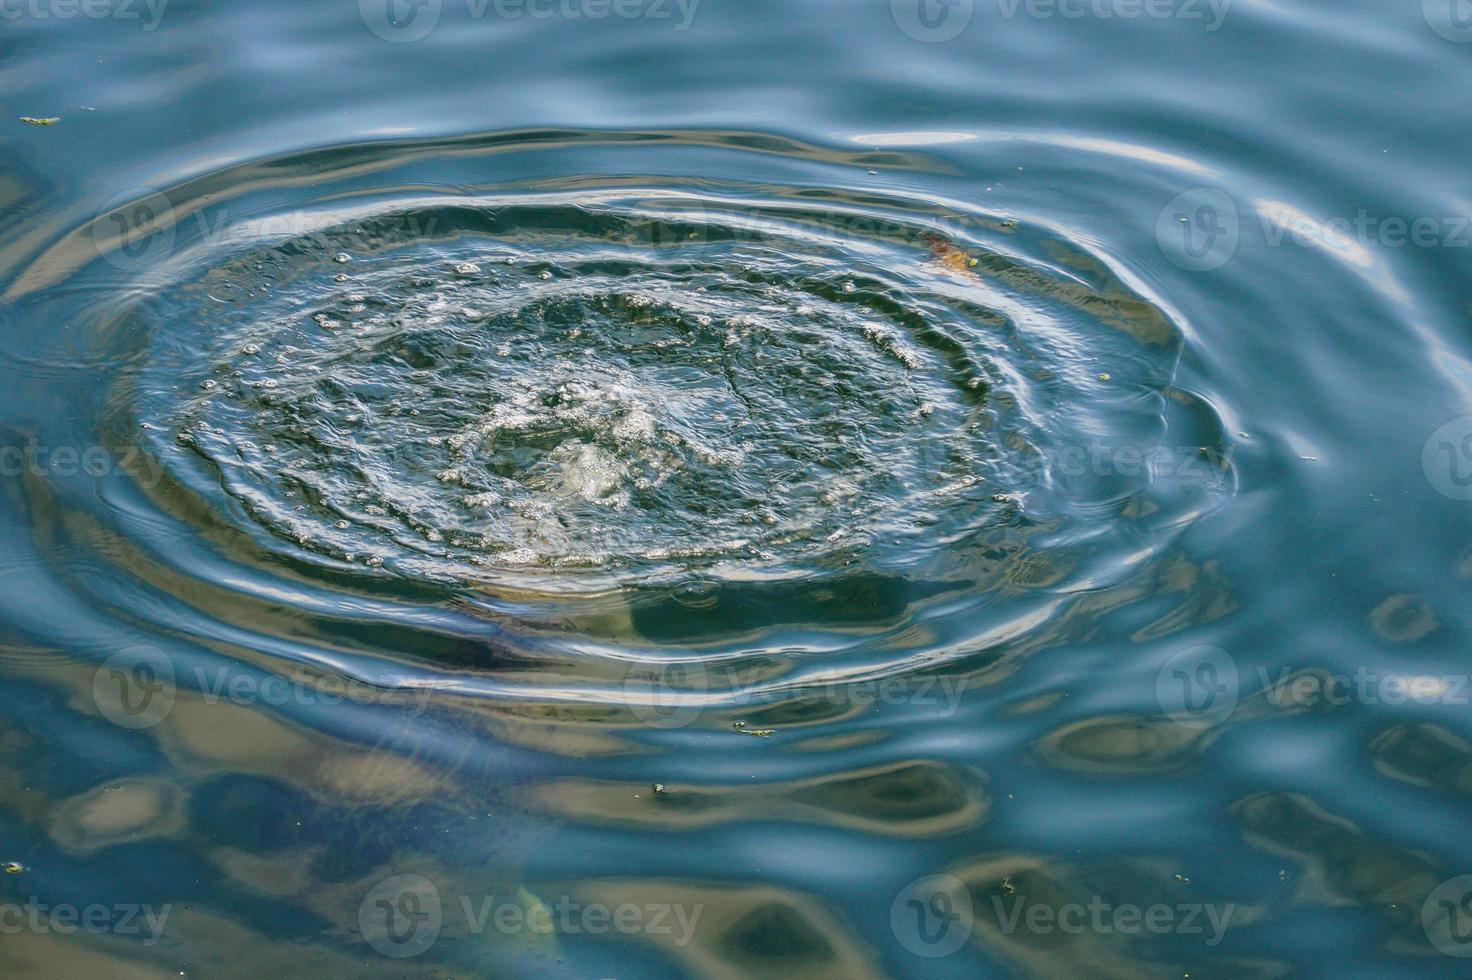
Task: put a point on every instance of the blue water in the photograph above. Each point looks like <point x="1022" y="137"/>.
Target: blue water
<point x="642" y="488"/>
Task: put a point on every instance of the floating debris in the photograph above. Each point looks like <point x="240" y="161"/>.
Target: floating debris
<point x="14" y="867"/>
<point x="740" y="726"/>
<point x="950" y="257"/>
<point x="43" y="121"/>
<point x="658" y="788"/>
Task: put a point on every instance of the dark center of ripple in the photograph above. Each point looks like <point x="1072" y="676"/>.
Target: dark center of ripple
<point x="557" y="390"/>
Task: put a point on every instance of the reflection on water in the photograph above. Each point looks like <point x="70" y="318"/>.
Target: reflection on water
<point x="798" y="490"/>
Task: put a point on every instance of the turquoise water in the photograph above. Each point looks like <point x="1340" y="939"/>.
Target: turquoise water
<point x="641" y="488"/>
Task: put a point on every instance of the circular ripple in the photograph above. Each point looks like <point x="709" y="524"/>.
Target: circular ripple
<point x="631" y="389"/>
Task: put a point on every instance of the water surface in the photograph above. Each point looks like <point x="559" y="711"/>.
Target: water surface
<point x="808" y="489"/>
